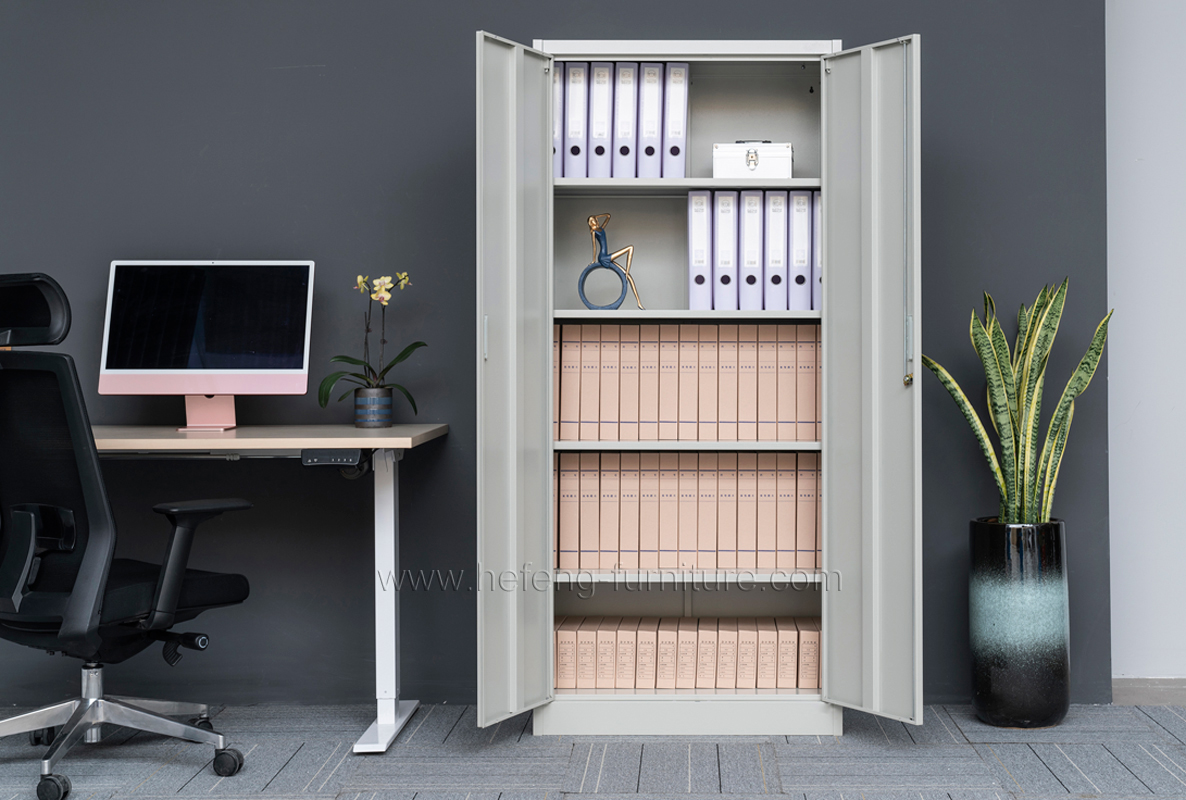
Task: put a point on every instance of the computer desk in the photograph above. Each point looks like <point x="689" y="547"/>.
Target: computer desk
<point x="389" y="445"/>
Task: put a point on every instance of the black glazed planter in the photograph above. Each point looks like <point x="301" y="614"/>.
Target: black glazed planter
<point x="1019" y="623"/>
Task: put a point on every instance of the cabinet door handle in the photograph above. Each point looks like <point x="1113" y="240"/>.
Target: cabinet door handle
<point x="485" y="337"/>
<point x="908" y="352"/>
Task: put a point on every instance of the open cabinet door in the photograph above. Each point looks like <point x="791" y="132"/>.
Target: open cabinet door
<point x="514" y="429"/>
<point x="872" y="424"/>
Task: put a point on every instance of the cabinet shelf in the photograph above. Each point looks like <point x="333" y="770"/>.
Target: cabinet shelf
<point x="677" y="577"/>
<point x="683" y="315"/>
<point x="668" y="187"/>
<point x="668" y="446"/>
<point x="710" y="695"/>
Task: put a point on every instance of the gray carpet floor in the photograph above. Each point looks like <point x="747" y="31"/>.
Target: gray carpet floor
<point x="304" y="752"/>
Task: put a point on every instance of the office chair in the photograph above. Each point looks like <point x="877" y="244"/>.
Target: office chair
<point x="61" y="589"/>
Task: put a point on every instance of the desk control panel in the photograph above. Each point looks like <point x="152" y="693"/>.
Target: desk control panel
<point x="338" y="457"/>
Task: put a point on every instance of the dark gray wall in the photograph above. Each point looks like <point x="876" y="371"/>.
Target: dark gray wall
<point x="344" y="132"/>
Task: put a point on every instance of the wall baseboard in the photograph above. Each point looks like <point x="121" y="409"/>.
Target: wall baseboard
<point x="1149" y="691"/>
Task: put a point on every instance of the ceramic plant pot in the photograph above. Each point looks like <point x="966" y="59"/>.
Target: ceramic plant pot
<point x="1020" y="629"/>
<point x="372" y="408"/>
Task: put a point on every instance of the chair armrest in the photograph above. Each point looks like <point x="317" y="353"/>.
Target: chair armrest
<point x="202" y="506"/>
<point x="185" y="517"/>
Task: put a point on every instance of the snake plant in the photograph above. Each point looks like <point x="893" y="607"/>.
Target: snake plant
<point x="1025" y="476"/>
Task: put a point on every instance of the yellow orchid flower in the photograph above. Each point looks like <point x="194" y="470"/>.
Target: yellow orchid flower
<point x="402" y="280"/>
<point x="383" y="283"/>
<point x="382" y="296"/>
<point x="361" y="283"/>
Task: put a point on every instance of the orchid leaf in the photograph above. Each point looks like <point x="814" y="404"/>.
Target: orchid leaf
<point x="358" y="362"/>
<point x="407" y="351"/>
<point x="330" y="381"/>
<point x="408" y="395"/>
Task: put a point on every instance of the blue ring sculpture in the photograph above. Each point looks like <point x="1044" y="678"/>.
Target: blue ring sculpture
<point x="602" y="265"/>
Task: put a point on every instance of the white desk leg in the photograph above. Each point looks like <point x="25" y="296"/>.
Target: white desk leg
<point x="393" y="713"/>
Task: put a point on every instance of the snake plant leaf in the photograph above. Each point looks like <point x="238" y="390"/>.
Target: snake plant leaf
<point x="1056" y="454"/>
<point x="1082" y="375"/>
<point x="1024" y="337"/>
<point x="407" y="351"/>
<point x="408" y="395"/>
<point x="1001" y="345"/>
<point x="1045" y="463"/>
<point x="1022" y="323"/>
<point x="1029" y="388"/>
<point x="998" y="406"/>
<point x="1030" y="484"/>
<point x="331" y="380"/>
<point x="973" y="419"/>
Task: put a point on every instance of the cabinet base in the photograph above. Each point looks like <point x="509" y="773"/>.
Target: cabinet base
<point x="687" y="716"/>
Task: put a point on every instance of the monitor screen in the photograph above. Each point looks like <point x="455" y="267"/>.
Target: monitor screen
<point x="207" y="319"/>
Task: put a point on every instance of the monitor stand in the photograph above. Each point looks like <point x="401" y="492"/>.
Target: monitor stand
<point x="209" y="412"/>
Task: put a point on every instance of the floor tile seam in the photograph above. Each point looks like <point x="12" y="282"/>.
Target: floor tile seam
<point x="941" y="712"/>
<point x="1168" y="758"/>
<point x="422" y="758"/>
<point x="300" y="747"/>
<point x="1048" y="769"/>
<point x="335" y="769"/>
<point x="324" y="764"/>
<point x="1155" y="721"/>
<point x="1137" y="777"/>
<point x="601" y="767"/>
<point x="1076" y="766"/>
<point x="1157" y="761"/>
<point x="361" y="787"/>
<point x="456" y="722"/>
<point x="1008" y="772"/>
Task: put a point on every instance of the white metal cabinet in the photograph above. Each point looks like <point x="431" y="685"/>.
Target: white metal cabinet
<point x="867" y="167"/>
<point x="872" y="444"/>
<point x="514" y="377"/>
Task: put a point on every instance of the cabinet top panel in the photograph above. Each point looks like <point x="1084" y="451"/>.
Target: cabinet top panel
<point x="687" y="49"/>
<point x="668" y="187"/>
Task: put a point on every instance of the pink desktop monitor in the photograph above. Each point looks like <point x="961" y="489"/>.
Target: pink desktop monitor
<point x="208" y="330"/>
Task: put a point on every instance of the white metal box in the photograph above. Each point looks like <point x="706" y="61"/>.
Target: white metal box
<point x="759" y="160"/>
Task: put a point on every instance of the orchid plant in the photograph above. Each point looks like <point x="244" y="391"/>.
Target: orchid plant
<point x="371" y="377"/>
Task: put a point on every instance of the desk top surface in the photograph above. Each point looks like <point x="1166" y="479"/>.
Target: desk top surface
<point x="148" y="438"/>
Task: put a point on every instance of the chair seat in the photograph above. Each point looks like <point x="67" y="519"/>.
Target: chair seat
<point x="132" y="584"/>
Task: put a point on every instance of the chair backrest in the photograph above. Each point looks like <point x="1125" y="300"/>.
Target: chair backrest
<point x="33" y="310"/>
<point x="57" y="532"/>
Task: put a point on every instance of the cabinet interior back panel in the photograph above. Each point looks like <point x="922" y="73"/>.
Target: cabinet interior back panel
<point x="612" y="600"/>
<point x="776" y="101"/>
<point x="656" y="226"/>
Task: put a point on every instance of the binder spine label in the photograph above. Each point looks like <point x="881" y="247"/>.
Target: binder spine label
<point x="624" y="111"/>
<point x="576" y="106"/>
<point x="600" y="103"/>
<point x="676" y="101"/>
<point x="651" y="109"/>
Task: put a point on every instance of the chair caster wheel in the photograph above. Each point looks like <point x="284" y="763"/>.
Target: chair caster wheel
<point x="226" y="763"/>
<point x="53" y="787"/>
<point x="202" y="722"/>
<point x="42" y="737"/>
